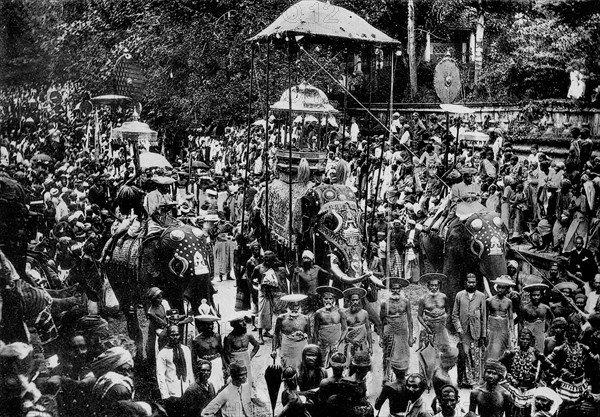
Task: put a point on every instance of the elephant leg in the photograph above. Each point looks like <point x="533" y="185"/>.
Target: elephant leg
<point x="134" y="330"/>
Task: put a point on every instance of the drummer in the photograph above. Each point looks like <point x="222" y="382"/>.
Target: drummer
<point x="291" y="332"/>
<point x="207" y="346"/>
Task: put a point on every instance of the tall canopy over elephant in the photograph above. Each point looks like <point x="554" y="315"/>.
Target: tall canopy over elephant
<point x="474" y="243"/>
<point x="165" y="253"/>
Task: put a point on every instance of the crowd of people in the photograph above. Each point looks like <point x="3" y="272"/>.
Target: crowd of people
<point x="526" y="346"/>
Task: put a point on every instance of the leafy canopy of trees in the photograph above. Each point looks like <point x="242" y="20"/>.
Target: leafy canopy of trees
<point x="197" y="60"/>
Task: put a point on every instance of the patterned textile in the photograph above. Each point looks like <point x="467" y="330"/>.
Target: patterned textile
<point x="328" y="335"/>
<point x="523" y="368"/>
<point x="473" y="355"/>
<point x="395" y="344"/>
<point x="107" y="381"/>
<point x="45" y="327"/>
<point x="439" y="336"/>
<point x="521" y="400"/>
<point x="396" y="264"/>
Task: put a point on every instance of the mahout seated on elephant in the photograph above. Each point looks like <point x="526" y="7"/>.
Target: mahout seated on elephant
<point x="163" y="253"/>
<point x="464" y="237"/>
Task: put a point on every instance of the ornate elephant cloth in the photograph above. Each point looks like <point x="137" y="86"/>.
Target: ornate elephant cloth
<point x="499" y="337"/>
<point x="328" y="336"/>
<point x="538" y="328"/>
<point x="291" y="349"/>
<point x="395" y="343"/>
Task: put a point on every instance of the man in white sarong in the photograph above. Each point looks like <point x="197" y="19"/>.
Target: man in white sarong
<point x="291" y="332"/>
<point x="330" y="323"/>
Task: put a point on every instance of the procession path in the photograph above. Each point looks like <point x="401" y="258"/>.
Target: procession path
<point x="225" y="298"/>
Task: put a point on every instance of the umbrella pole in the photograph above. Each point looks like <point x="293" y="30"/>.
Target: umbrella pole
<point x="248" y="138"/>
<point x="368" y="161"/>
<point x="290" y="145"/>
<point x="343" y="140"/>
<point x="446" y="140"/>
<point x="268" y="236"/>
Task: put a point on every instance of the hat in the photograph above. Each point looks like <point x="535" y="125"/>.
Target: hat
<point x="153" y="293"/>
<point x="308" y="254"/>
<point x="330" y="290"/>
<point x="111" y="360"/>
<point x="361" y="292"/>
<point x="496" y="366"/>
<point x="212" y="217"/>
<point x="293" y="298"/>
<point x="237" y="367"/>
<point x="434" y="276"/>
<point x="535" y="287"/>
<point x="513" y="263"/>
<point x="468" y="170"/>
<point x="54" y="192"/>
<point x="239" y="317"/>
<point x="162" y="180"/>
<point x="361" y="359"/>
<point x="396" y="114"/>
<point x="388" y="282"/>
<point x="580" y="296"/>
<point x="566" y="285"/>
<point x="206" y="318"/>
<point x="503" y="280"/>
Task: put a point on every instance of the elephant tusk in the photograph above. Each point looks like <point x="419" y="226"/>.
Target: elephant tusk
<point x="337" y="272"/>
<point x="376" y="281"/>
<point x="184" y="262"/>
<point x="480" y="243"/>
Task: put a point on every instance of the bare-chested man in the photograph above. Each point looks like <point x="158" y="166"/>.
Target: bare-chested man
<point x="358" y="337"/>
<point x="330" y="323"/>
<point x="535" y="315"/>
<point x="207" y="346"/>
<point x="491" y="399"/>
<point x="307" y="278"/>
<point x="432" y="313"/>
<point x="235" y="345"/>
<point x="500" y="319"/>
<point x="291" y="332"/>
<point x="396" y="335"/>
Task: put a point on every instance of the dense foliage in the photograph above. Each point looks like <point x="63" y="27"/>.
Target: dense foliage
<point x="197" y="60"/>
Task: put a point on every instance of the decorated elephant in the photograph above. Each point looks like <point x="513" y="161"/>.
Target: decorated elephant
<point x="325" y="220"/>
<point x="164" y="253"/>
<point x="475" y="242"/>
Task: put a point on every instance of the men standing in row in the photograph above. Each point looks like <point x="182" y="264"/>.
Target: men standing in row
<point x="291" y="332"/>
<point x="469" y="317"/>
<point x="396" y="332"/>
<point x="330" y="323"/>
<point x="358" y="337"/>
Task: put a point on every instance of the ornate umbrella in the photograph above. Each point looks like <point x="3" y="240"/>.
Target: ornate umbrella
<point x="305" y="99"/>
<point x="322" y="22"/>
<point x="41" y="157"/>
<point x="153" y="160"/>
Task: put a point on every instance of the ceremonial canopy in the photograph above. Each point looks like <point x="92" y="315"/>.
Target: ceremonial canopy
<point x="322" y="22"/>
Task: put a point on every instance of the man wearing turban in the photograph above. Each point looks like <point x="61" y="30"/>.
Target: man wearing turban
<point x="490" y="399"/>
<point x="307" y="277"/>
<point x="114" y="370"/>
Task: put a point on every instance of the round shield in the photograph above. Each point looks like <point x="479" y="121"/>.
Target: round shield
<point x="446" y="80"/>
